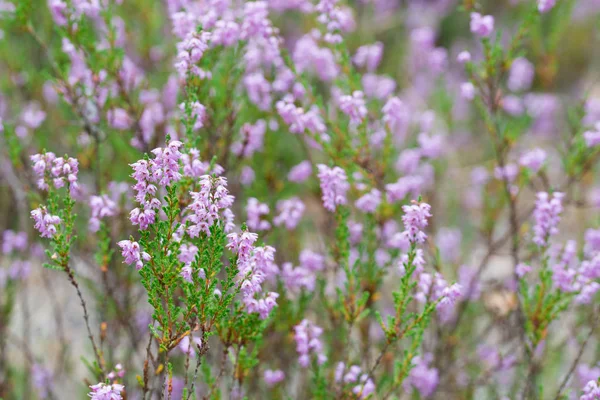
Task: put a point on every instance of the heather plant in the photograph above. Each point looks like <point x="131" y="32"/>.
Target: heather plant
<point x="299" y="199"/>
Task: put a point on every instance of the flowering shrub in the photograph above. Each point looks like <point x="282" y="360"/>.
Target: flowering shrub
<point x="305" y="199"/>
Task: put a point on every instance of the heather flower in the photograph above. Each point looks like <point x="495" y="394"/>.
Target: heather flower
<point x="482" y="25"/>
<point x="193" y="166"/>
<point x="463" y="57"/>
<point x="32" y="115"/>
<point x="354" y="107"/>
<point x="252" y="139"/>
<point x="591" y="391"/>
<point x="369" y="202"/>
<point x="521" y="75"/>
<point x="256" y="210"/>
<point x="533" y="159"/>
<point x="592" y="138"/>
<point x="58" y="9"/>
<point x="247" y="176"/>
<point x="406" y="185"/>
<point x="188" y="346"/>
<point x="58" y="170"/>
<point x="467" y="91"/>
<point x="308" y="343"/>
<point x="408" y="161"/>
<point x="508" y="173"/>
<point x="13" y="241"/>
<point x="259" y="90"/>
<point x="415" y="220"/>
<point x="397" y="116"/>
<point x="132" y="253"/>
<point x="102" y="391"/>
<point x="424" y="379"/>
<point x="301" y="172"/>
<point x="45" y="223"/>
<point x="448" y="242"/>
<point x="545" y="5"/>
<point x="273" y="377"/>
<point x="42" y="380"/>
<point x="513" y="105"/>
<point x="290" y="212"/>
<point x="119" y="119"/>
<point x="312" y="261"/>
<point x="431" y="146"/>
<point x="187" y="253"/>
<point x="101" y="207"/>
<point x="378" y="86"/>
<point x="190" y="51"/>
<point x="368" y="56"/>
<point x="547" y="216"/>
<point x="165" y="166"/>
<point x="334" y="185"/>
<point x="210" y="205"/>
<point x="522" y="269"/>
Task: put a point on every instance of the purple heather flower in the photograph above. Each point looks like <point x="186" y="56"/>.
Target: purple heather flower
<point x="211" y="204"/>
<point x="132" y="253"/>
<point x="119" y="119"/>
<point x="102" y="391"/>
<point x="431" y="146"/>
<point x="592" y="137"/>
<point x="45" y="223"/>
<point x="13" y="241"/>
<point x="408" y="161"/>
<point x="368" y="56"/>
<point x="522" y="269"/>
<point x="247" y="176"/>
<point x="521" y="75"/>
<point x="290" y="212"/>
<point x="101" y="207"/>
<point x="252" y="136"/>
<point x="354" y="107"/>
<point x="467" y="91"/>
<point x="301" y="172"/>
<point x="533" y="159"/>
<point x="42" y="380"/>
<point x="378" y="86"/>
<point x="272" y="378"/>
<point x="334" y="185"/>
<point x="188" y="346"/>
<point x="58" y="9"/>
<point x="448" y="241"/>
<point x="508" y="173"/>
<point x="591" y="391"/>
<point x="369" y="202"/>
<point x="547" y="216"/>
<point x="513" y="105"/>
<point x="463" y="57"/>
<point x="256" y="210"/>
<point x="423" y="378"/>
<point x="308" y="343"/>
<point x="187" y="253"/>
<point x="545" y="5"/>
<point x="312" y="261"/>
<point x="482" y="25"/>
<point x="397" y="117"/>
<point x="415" y="220"/>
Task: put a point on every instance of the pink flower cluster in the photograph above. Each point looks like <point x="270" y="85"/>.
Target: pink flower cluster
<point x="334" y="185"/>
<point x="58" y="170"/>
<point x="132" y="253"/>
<point x="255" y="266"/>
<point x="211" y="204"/>
<point x="161" y="171"/>
<point x="306" y="335"/>
<point x="45" y="223"/>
